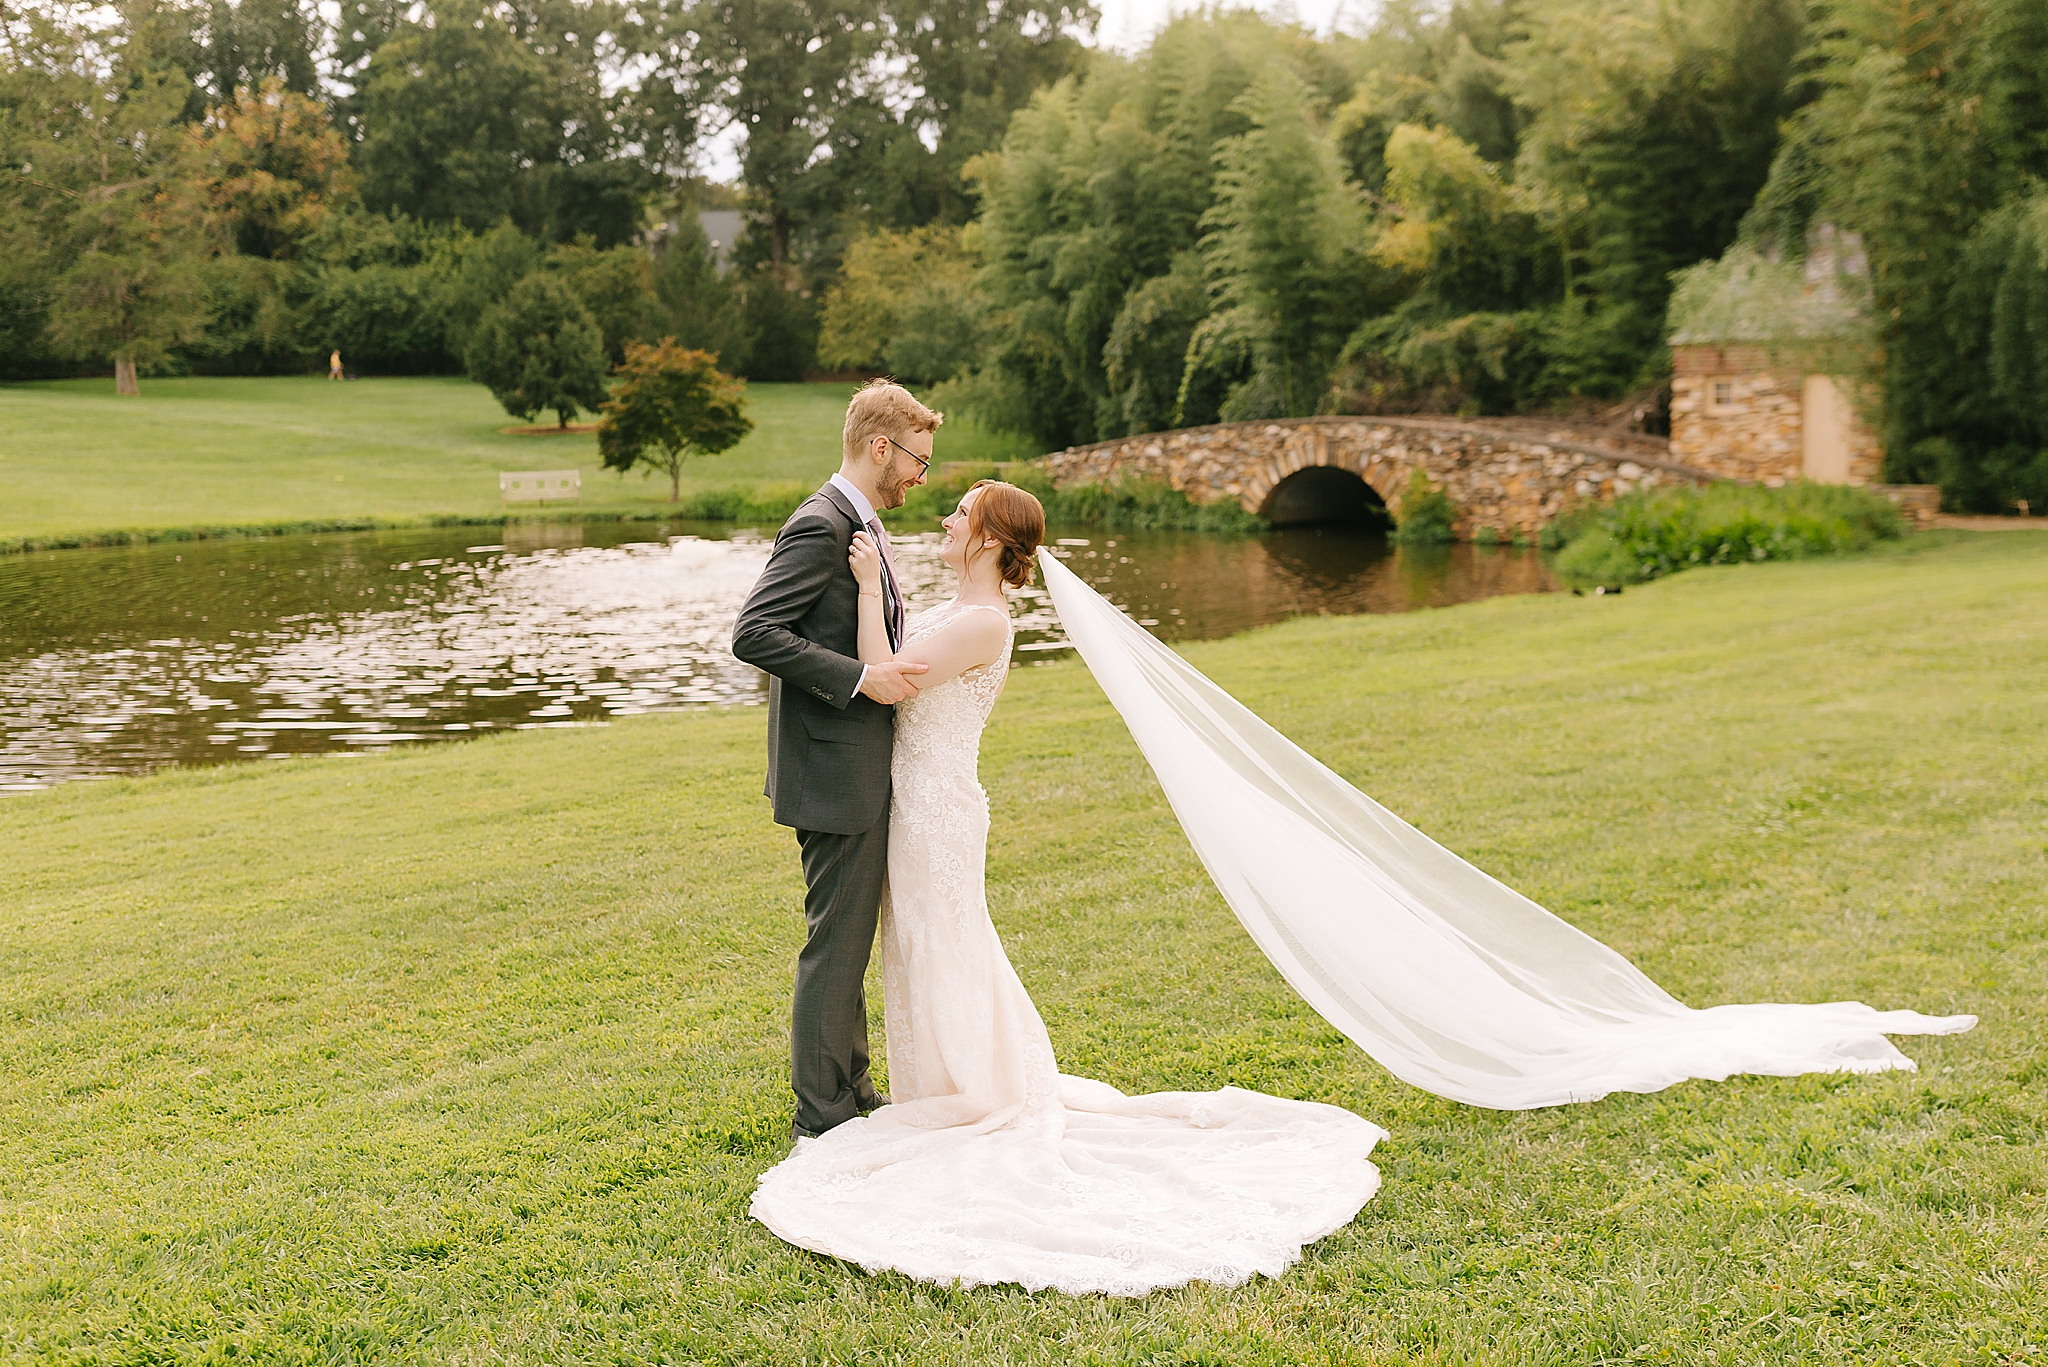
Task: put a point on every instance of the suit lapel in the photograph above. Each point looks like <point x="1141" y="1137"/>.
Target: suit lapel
<point x="893" y="604"/>
<point x="840" y="501"/>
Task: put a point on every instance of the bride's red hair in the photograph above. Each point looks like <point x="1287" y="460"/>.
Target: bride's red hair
<point x="1014" y="520"/>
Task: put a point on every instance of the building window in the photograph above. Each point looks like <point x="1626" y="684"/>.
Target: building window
<point x="1721" y="395"/>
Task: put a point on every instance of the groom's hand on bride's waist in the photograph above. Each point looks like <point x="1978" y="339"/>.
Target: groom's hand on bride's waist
<point x="886" y="683"/>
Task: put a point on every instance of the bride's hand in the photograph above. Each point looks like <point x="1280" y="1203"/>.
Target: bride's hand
<point x="866" y="560"/>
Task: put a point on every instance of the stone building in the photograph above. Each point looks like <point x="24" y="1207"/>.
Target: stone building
<point x="1761" y="354"/>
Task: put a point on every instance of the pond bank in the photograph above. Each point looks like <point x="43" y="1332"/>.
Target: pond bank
<point x="122" y="659"/>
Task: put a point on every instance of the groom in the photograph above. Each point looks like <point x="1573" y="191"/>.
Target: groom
<point x="831" y="723"/>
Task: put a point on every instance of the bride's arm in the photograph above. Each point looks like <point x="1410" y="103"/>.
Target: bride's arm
<point x="969" y="641"/>
<point x="866" y="562"/>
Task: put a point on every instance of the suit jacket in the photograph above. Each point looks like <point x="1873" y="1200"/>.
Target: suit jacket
<point x="828" y="747"/>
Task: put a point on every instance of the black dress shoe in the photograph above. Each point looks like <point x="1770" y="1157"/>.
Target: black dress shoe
<point x="797" y="1131"/>
<point x="874" y="1103"/>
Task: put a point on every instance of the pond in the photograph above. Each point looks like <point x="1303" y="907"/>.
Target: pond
<point x="121" y="660"/>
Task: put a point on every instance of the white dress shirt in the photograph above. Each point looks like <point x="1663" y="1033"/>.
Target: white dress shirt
<point x="854" y="496"/>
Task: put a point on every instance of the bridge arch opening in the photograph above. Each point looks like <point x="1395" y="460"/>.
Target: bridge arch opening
<point x="1325" y="495"/>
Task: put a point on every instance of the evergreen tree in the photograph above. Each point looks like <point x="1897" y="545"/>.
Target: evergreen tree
<point x="694" y="302"/>
<point x="476" y="115"/>
<point x="539" y="349"/>
<point x="1929" y="139"/>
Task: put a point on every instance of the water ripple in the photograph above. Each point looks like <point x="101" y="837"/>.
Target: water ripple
<point x="122" y="660"/>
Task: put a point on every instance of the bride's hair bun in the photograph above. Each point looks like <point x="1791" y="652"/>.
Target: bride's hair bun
<point x="1015" y="521"/>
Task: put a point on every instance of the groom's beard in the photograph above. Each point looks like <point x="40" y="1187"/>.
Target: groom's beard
<point x="891" y="489"/>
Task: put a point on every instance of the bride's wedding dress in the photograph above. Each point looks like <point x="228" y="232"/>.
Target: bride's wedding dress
<point x="994" y="1167"/>
<point x="991" y="1165"/>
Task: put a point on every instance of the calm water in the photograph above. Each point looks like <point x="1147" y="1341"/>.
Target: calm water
<point x="122" y="660"/>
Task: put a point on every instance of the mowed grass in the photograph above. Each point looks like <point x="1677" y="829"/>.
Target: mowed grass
<point x="194" y="452"/>
<point x="473" y="1054"/>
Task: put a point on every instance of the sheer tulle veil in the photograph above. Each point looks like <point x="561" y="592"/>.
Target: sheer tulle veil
<point x="1453" y="981"/>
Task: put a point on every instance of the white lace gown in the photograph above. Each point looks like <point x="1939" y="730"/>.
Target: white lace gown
<point x="992" y="1166"/>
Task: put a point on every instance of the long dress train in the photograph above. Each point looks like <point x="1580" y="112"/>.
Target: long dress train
<point x="991" y="1166"/>
<point x="1453" y="981"/>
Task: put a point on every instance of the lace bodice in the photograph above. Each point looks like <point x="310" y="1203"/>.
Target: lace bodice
<point x="938" y="732"/>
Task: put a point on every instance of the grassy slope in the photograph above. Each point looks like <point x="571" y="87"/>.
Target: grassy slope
<point x="75" y="458"/>
<point x="473" y="1054"/>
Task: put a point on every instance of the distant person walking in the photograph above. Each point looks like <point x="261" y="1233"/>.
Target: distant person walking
<point x="334" y="365"/>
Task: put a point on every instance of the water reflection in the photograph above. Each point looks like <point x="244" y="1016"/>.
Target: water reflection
<point x="124" y="659"/>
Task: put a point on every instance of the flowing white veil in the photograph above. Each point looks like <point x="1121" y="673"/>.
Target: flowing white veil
<point x="1453" y="981"/>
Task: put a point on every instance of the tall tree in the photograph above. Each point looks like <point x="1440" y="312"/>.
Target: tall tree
<point x="789" y="75"/>
<point x="695" y="303"/>
<point x="269" y="168"/>
<point x="1929" y="139"/>
<point x="1650" y="132"/>
<point x="91" y="125"/>
<point x="969" y="65"/>
<point x="1286" y="252"/>
<point x="474" y="113"/>
<point x="245" y="44"/>
<point x="1101" y="186"/>
<point x="854" y="115"/>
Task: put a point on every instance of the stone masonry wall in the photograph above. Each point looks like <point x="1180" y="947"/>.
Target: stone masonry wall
<point x="1758" y="436"/>
<point x="1510" y="482"/>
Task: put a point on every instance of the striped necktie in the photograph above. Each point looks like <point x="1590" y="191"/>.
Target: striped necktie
<point x="894" y="602"/>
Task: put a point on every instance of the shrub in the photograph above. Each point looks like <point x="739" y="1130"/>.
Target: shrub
<point x="539" y="349"/>
<point x="1426" y="514"/>
<point x="1123" y="505"/>
<point x="769" y="505"/>
<point x="1654" y="532"/>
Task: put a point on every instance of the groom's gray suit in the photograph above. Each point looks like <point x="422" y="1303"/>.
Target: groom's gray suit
<point x="828" y="776"/>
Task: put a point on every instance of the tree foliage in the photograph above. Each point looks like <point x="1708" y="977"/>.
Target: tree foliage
<point x="474" y="113"/>
<point x="539" y="349"/>
<point x="903" y="303"/>
<point x="694" y="302"/>
<point x="1474" y="206"/>
<point x="1929" y="140"/>
<point x="106" y="204"/>
<point x="374" y="174"/>
<point x="672" y="403"/>
<point x="1462" y="208"/>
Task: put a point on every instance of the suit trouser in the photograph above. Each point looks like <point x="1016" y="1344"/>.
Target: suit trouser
<point x="828" y="1035"/>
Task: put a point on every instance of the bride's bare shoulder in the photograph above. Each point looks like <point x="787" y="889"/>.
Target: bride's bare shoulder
<point x="981" y="622"/>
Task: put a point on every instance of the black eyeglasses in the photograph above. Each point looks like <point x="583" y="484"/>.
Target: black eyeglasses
<point x="923" y="462"/>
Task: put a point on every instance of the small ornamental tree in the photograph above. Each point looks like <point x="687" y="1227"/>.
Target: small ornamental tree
<point x="537" y="349"/>
<point x="672" y="403"/>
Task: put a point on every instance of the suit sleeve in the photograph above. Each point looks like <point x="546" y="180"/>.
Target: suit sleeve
<point x="806" y="557"/>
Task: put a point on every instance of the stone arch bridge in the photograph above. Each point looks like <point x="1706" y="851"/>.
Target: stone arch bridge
<point x="1512" y="477"/>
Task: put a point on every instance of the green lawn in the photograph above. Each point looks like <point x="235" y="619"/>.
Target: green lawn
<point x="77" y="459"/>
<point x="472" y="1054"/>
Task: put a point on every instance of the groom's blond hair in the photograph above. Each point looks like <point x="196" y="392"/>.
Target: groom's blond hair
<point x="883" y="408"/>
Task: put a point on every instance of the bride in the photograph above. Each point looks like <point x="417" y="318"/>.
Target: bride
<point x="993" y="1166"/>
<point x="990" y="1165"/>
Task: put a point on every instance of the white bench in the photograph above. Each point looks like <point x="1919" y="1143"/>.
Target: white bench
<point x="540" y="486"/>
